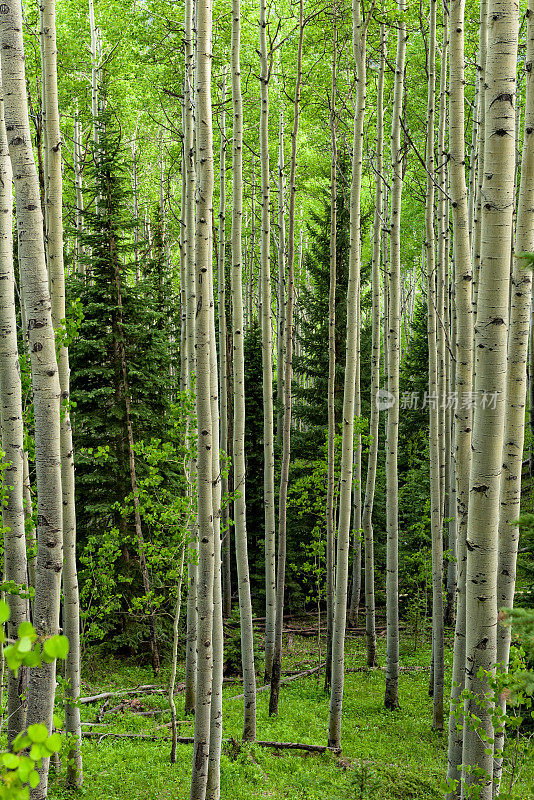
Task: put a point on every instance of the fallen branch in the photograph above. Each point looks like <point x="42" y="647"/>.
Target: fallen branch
<point x="148" y="688"/>
<point x="284" y="680"/>
<point x="309" y="748"/>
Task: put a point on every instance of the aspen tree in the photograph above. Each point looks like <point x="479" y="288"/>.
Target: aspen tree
<point x="45" y="379"/>
<point x="367" y="517"/>
<point x="267" y="345"/>
<point x="281" y="288"/>
<point x="330" y="455"/>
<point x="191" y="306"/>
<point x="13" y="517"/>
<point x="434" y="420"/>
<point x="392" y="426"/>
<point x="490" y="382"/>
<point x="516" y="383"/>
<point x="214" y="766"/>
<point x="463" y="358"/>
<point x="204" y="388"/>
<point x="78" y="180"/>
<point x="480" y="145"/>
<point x="245" y="606"/>
<point x="56" y="276"/>
<point x="359" y="33"/>
<point x="174" y="656"/>
<point x="288" y="371"/>
<point x="223" y="359"/>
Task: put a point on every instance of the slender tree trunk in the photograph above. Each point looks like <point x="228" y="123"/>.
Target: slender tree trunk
<point x="367" y="518"/>
<point x="281" y="288"/>
<point x="267" y="346"/>
<point x="45" y="379"/>
<point x="223" y="363"/>
<point x="204" y="389"/>
<point x="288" y="367"/>
<point x="490" y="383"/>
<point x="174" y="656"/>
<point x="392" y="429"/>
<point x="78" y="168"/>
<point x="359" y="30"/>
<point x="13" y="517"/>
<point x="434" y="416"/>
<point x="245" y="606"/>
<point x="464" y="362"/>
<point x="516" y="386"/>
<point x="330" y="455"/>
<point x="191" y="308"/>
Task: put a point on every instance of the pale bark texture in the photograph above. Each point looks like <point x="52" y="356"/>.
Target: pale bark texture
<point x="56" y="276"/>
<point x="367" y="517"/>
<point x="516" y="383"/>
<point x="391" y="699"/>
<point x="463" y="351"/>
<point x="288" y="371"/>
<point x="266" y="350"/>
<point x="243" y="579"/>
<point x="13" y="516"/>
<point x="490" y="382"/>
<point x="359" y="30"/>
<point x="203" y="272"/>
<point x="281" y="287"/>
<point x="45" y="379"/>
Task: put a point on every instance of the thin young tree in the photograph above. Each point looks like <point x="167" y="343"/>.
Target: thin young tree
<point x="393" y="343"/>
<point x="204" y="387"/>
<point x="288" y="371"/>
<point x="359" y="35"/>
<point x="267" y="346"/>
<point x="243" y="578"/>
<point x="56" y="275"/>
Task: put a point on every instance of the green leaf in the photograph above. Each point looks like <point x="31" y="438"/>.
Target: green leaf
<point x="56" y="647"/>
<point x="34" y="779"/>
<point x="38" y="733"/>
<point x="25" y="629"/>
<point x="10" y="760"/>
<point x="24" y="645"/>
<point x="54" y="742"/>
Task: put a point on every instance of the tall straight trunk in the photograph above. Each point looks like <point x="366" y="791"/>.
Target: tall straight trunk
<point x="288" y="371"/>
<point x="223" y="361"/>
<point x="45" y="379"/>
<point x="491" y="363"/>
<point x="56" y="276"/>
<point x="516" y="385"/>
<point x="434" y="415"/>
<point x="243" y="579"/>
<point x="31" y="539"/>
<point x="204" y="389"/>
<point x="191" y="308"/>
<point x="392" y="428"/>
<point x="135" y="193"/>
<point x="214" y="767"/>
<point x="13" y="516"/>
<point x="481" y="127"/>
<point x="78" y="180"/>
<point x="367" y="518"/>
<point x="330" y="455"/>
<point x="266" y="351"/>
<point x="359" y="31"/>
<point x="463" y="361"/>
<point x="281" y="287"/>
<point x="174" y="656"/>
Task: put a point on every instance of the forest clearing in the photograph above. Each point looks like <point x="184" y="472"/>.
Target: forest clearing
<point x="267" y="399"/>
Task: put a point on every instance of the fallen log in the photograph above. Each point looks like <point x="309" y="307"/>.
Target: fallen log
<point x="309" y="748"/>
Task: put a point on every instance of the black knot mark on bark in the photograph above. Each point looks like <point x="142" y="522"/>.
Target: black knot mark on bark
<point x="470" y="546"/>
<point x="482" y="489"/>
<point x="53" y="565"/>
<point x="483" y="644"/>
<point x="497" y="321"/>
<point x="17" y="140"/>
<point x="42" y="520"/>
<point x="51" y="541"/>
<point x="35" y="323"/>
<point x="501" y="132"/>
<point x="31" y="207"/>
<point x="37" y="347"/>
<point x="205" y="433"/>
<point x="4" y="8"/>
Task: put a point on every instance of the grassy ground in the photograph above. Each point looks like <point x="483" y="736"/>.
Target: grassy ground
<point x="386" y="755"/>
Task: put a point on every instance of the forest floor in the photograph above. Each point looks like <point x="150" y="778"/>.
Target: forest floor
<point x="386" y="755"/>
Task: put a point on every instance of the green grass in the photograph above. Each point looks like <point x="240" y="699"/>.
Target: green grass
<point x="386" y="755"/>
